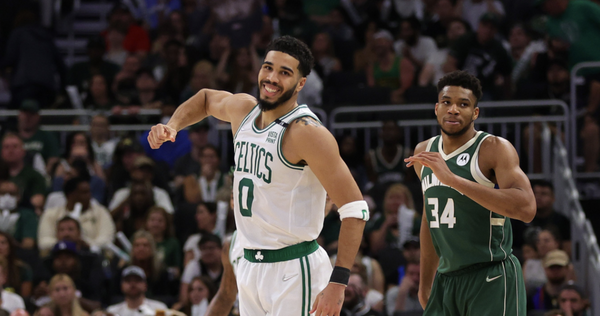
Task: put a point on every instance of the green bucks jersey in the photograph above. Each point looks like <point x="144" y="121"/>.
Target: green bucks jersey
<point x="463" y="232"/>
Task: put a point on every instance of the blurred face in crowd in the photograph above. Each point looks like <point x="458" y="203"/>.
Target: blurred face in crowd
<point x="455" y="30"/>
<point x="486" y="32"/>
<point x="79" y="152"/>
<point x="12" y="150"/>
<point x="209" y="157"/>
<point x="571" y="300"/>
<point x="354" y="292"/>
<point x="145" y="83"/>
<point x="243" y="58"/>
<point x="556" y="274"/>
<point x="518" y="38"/>
<point x="129" y="158"/>
<point x="11" y="191"/>
<point x="98" y="87"/>
<point x="390" y="132"/>
<point x="115" y="37"/>
<point x="320" y="43"/>
<point x="44" y="311"/>
<point x="393" y="201"/>
<point x="82" y="194"/>
<point x="456" y="110"/>
<point x="529" y="252"/>
<point x="99" y="127"/>
<point x="411" y="252"/>
<point x="28" y="120"/>
<point x="141" y="249"/>
<point x="444" y="9"/>
<point x="211" y="253"/>
<point x="336" y="18"/>
<point x="133" y="286"/>
<point x="348" y="145"/>
<point x="201" y="77"/>
<point x="68" y="230"/>
<point x="156" y="223"/>
<point x="172" y="52"/>
<point x="62" y="293"/>
<point x="413" y="271"/>
<point x="140" y="194"/>
<point x="198" y="292"/>
<point x="65" y="262"/>
<point x="176" y="20"/>
<point x="544" y="197"/>
<point x="546" y="243"/>
<point x="558" y="78"/>
<point x="198" y="137"/>
<point x="4" y="247"/>
<point x="408" y="33"/>
<point x="204" y="218"/>
<point x="131" y="65"/>
<point x="279" y="80"/>
<point x="382" y="47"/>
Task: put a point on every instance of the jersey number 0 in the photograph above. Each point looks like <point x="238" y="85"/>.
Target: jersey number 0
<point x="246" y="196"/>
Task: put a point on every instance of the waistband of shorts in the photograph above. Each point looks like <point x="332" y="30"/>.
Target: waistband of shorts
<point x="284" y="254"/>
<point x="471" y="268"/>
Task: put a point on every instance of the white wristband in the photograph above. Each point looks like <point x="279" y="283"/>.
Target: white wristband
<point x="356" y="209"/>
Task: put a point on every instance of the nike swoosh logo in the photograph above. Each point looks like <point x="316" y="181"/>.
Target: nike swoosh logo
<point x="487" y="279"/>
<point x="287" y="278"/>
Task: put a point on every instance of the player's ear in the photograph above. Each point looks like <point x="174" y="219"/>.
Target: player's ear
<point x="476" y="113"/>
<point x="301" y="84"/>
<point x="436" y="107"/>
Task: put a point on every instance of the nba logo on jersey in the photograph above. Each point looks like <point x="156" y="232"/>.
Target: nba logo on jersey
<point x="463" y="159"/>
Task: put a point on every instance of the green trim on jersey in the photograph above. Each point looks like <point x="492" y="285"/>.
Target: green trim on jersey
<point x="309" y="285"/>
<point x="281" y="118"/>
<point x="286" y="162"/>
<point x="463" y="232"/>
<point x="284" y="254"/>
<point x="303" y="288"/>
<point x="243" y="122"/>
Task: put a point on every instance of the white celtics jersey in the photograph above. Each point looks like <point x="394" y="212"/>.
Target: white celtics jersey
<point x="277" y="203"/>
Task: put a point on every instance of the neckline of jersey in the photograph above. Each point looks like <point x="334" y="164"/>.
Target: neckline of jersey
<point x="459" y="149"/>
<point x="281" y="118"/>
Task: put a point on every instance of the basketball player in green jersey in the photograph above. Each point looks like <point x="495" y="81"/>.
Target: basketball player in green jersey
<point x="472" y="185"/>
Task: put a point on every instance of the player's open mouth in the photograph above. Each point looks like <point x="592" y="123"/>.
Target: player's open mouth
<point x="270" y="90"/>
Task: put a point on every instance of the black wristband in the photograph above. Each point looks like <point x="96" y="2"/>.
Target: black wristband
<point x="340" y="275"/>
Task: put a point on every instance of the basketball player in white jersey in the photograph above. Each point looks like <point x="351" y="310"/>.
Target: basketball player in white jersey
<point x="285" y="162"/>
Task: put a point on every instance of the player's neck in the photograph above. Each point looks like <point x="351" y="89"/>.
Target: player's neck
<point x="450" y="143"/>
<point x="267" y="117"/>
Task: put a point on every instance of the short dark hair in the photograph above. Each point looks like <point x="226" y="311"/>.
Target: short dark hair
<point x="69" y="219"/>
<point x="210" y="206"/>
<point x="415" y="24"/>
<point x="213" y="147"/>
<point x="71" y="185"/>
<point x="462" y="79"/>
<point x="573" y="287"/>
<point x="295" y="48"/>
<point x="543" y="184"/>
<point x="208" y="237"/>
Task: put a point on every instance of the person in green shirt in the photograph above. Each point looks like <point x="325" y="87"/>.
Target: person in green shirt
<point x="32" y="185"/>
<point x="20" y="222"/>
<point x="34" y="139"/>
<point x="160" y="225"/>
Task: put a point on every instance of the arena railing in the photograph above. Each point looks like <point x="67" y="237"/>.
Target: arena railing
<point x="585" y="251"/>
<point x="575" y="113"/>
<point x="367" y="120"/>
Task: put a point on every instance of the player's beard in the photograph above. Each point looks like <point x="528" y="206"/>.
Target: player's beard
<point x="456" y="134"/>
<point x="265" y="105"/>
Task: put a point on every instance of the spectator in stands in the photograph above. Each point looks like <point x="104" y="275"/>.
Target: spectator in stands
<point x="206" y="218"/>
<point x="207" y="186"/>
<point x="388" y="70"/>
<point x="99" y="96"/>
<point x="546" y="216"/>
<point x="481" y="54"/>
<point x="102" y="144"/>
<point x="79" y="147"/>
<point x="556" y="265"/>
<point x="32" y="185"/>
<point x="177" y="72"/>
<point x="98" y="229"/>
<point x="34" y="139"/>
<point x="69" y="229"/>
<point x="190" y="163"/>
<point x="43" y="311"/>
<point x="18" y="273"/>
<point x="354" y="298"/>
<point x="80" y="73"/>
<point x="130" y="68"/>
<point x="437" y="27"/>
<point x="473" y="10"/>
<point x="572" y="300"/>
<point x="366" y="55"/>
<point x="385" y="164"/>
<point x="209" y="264"/>
<point x="8" y="301"/>
<point x="522" y="50"/>
<point x="200" y="292"/>
<point x="351" y="156"/>
<point x="433" y="70"/>
<point x="64" y="298"/>
<point x="326" y="62"/>
<point x="137" y="40"/>
<point x="33" y="61"/>
<point x="202" y="77"/>
<point x="143" y="171"/>
<point x="159" y="223"/>
<point x="144" y="255"/>
<point x="84" y="269"/>
<point x="123" y="162"/>
<point x="21" y="223"/>
<point x="116" y="53"/>
<point x="533" y="270"/>
<point x="337" y="28"/>
<point x="134" y="287"/>
<point x="146" y="96"/>
<point x="79" y="168"/>
<point x="237" y="68"/>
<point x="398" y="223"/>
<point x="406" y="298"/>
<point x="412" y="45"/>
<point x="130" y="214"/>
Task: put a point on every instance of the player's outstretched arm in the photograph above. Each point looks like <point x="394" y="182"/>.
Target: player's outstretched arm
<point x="223" y="301"/>
<point x="312" y="143"/>
<point x="220" y="104"/>
<point x="514" y="198"/>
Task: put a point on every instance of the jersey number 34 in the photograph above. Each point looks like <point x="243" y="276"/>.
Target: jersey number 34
<point x="447" y="215"/>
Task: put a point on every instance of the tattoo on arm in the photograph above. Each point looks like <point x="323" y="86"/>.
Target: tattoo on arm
<point x="306" y="120"/>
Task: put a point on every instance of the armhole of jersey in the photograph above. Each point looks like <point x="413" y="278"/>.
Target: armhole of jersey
<point x="476" y="171"/>
<point x="244" y="122"/>
<point x="231" y="243"/>
<point x="279" y="143"/>
<point x="429" y="144"/>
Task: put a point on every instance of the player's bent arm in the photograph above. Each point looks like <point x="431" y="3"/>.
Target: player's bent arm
<point x="223" y="301"/>
<point x="207" y="102"/>
<point x="312" y="143"/>
<point x="514" y="198"/>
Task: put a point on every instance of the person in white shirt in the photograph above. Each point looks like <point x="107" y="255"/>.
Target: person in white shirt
<point x="209" y="264"/>
<point x="412" y="45"/>
<point x="143" y="171"/>
<point x="473" y="10"/>
<point x="97" y="226"/>
<point x="102" y="144"/>
<point x="10" y="301"/>
<point x="133" y="286"/>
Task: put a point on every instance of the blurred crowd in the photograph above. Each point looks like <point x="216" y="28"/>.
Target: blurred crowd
<point x="95" y="222"/>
